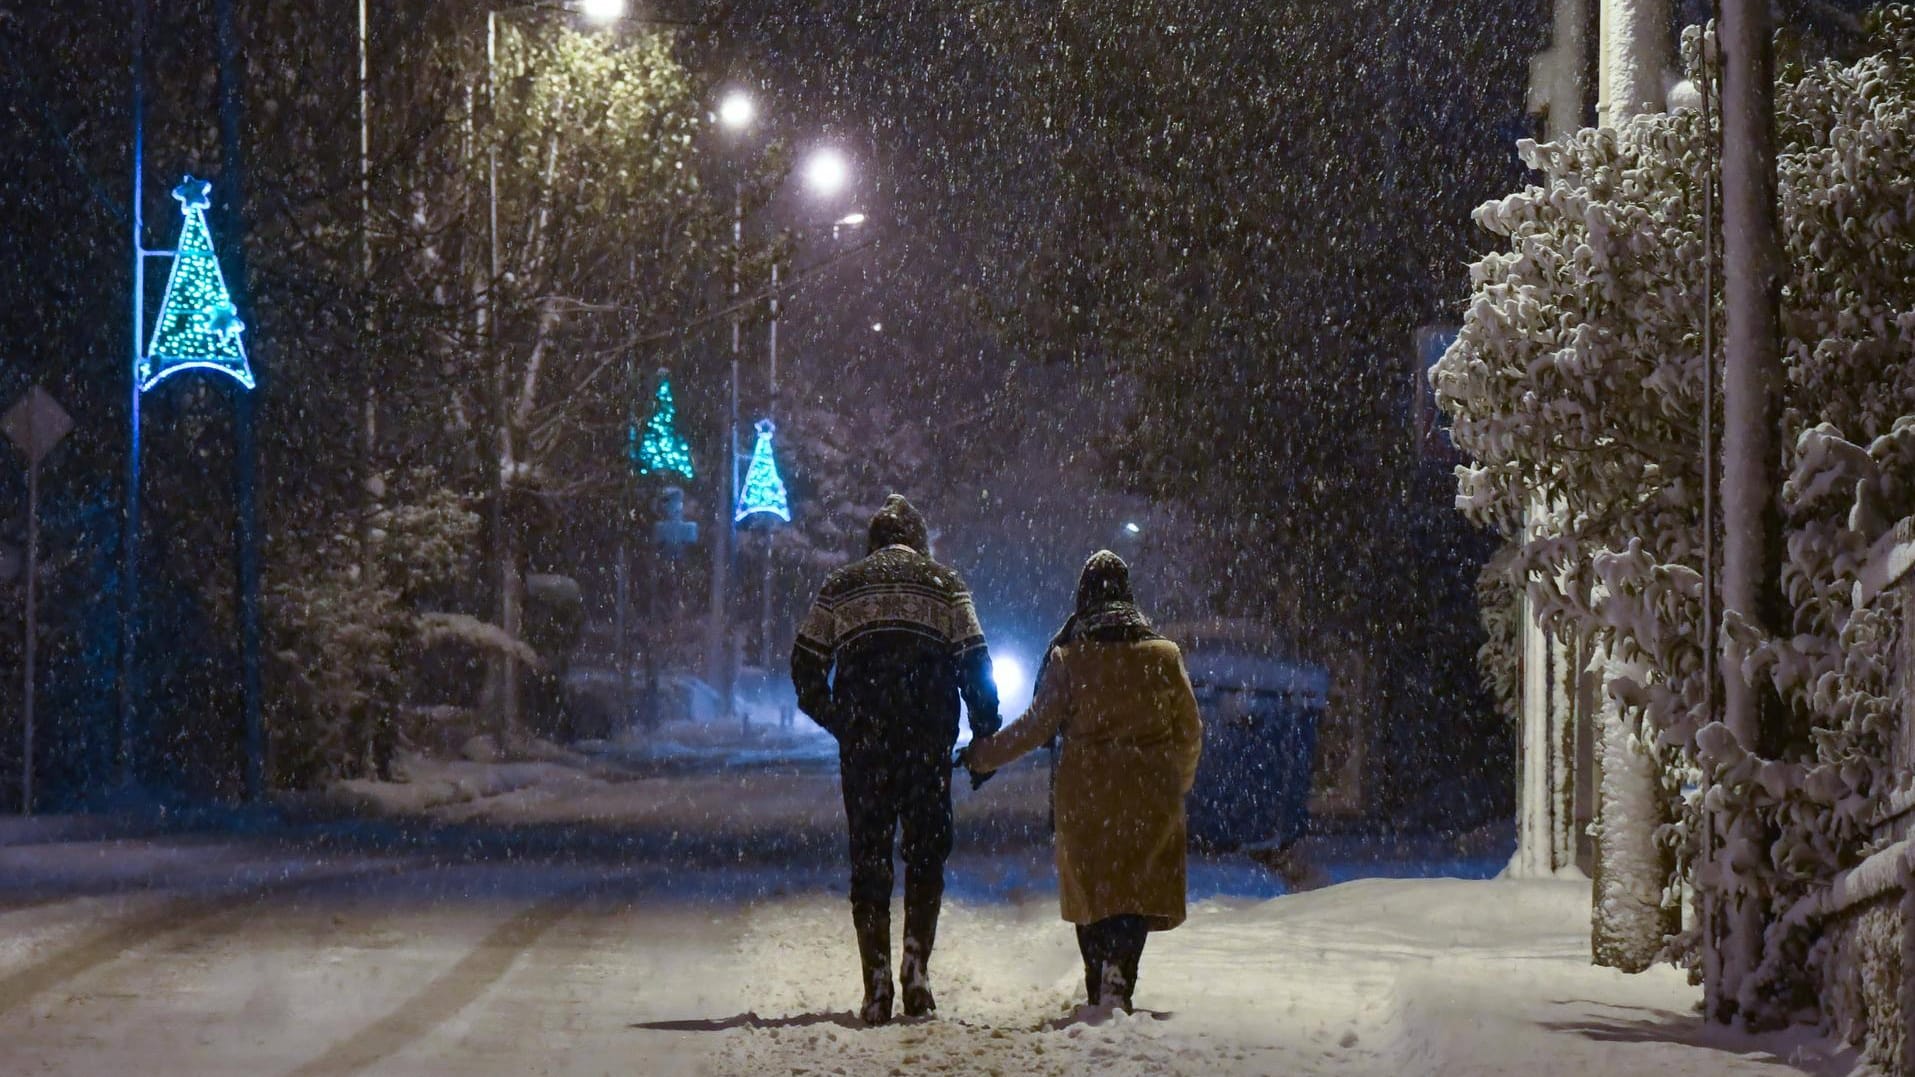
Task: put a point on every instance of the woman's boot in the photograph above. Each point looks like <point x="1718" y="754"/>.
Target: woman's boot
<point x="873" y="925"/>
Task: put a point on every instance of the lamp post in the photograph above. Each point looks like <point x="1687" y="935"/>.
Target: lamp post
<point x="826" y="174"/>
<point x="737" y="113"/>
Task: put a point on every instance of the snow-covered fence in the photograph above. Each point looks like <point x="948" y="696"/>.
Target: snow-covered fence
<point x="1862" y="960"/>
<point x="1862" y="957"/>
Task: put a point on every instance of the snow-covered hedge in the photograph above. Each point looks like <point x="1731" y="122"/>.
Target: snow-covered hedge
<point x="1577" y="380"/>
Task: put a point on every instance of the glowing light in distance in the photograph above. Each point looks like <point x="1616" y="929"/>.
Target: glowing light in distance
<point x="1009" y="674"/>
<point x="737" y="110"/>
<point x="827" y="172"/>
<point x="1133" y="529"/>
<point x="602" y="11"/>
<point x="851" y="220"/>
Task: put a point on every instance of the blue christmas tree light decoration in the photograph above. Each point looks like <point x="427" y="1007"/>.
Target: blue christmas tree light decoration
<point x="198" y="328"/>
<point x="657" y="448"/>
<point x="764" y="491"/>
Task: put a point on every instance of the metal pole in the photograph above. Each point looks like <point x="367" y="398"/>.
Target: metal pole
<point x="1751" y="460"/>
<point x="369" y="429"/>
<point x="245" y="451"/>
<point x="130" y="537"/>
<point x="365" y="145"/>
<point x="654" y="630"/>
<point x="33" y="624"/>
<point x="718" y="643"/>
<point x="1705" y="906"/>
<point x="508" y="569"/>
<point x="622" y="613"/>
<point x="771" y="402"/>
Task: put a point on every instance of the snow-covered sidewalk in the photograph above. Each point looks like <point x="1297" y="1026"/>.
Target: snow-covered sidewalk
<point x="199" y="955"/>
<point x="1377" y="977"/>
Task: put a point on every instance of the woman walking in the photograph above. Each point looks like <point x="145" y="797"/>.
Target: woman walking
<point x="1117" y="695"/>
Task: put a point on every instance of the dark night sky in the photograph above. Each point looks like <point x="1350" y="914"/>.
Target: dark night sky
<point x="912" y="85"/>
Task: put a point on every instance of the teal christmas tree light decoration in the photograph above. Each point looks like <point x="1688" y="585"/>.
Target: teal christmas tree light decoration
<point x="657" y="448"/>
<point x="764" y="490"/>
<point x="199" y="328"/>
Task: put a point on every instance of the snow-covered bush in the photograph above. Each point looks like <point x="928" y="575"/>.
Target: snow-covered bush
<point x="338" y="640"/>
<point x="1578" y="380"/>
<point x="1499" y="603"/>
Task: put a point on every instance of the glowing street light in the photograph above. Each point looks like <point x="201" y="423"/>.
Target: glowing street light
<point x="737" y="110"/>
<point x="827" y="172"/>
<point x="1008" y="673"/>
<point x="602" y="11"/>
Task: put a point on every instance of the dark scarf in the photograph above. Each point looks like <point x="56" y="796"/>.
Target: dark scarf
<point x="1106" y="613"/>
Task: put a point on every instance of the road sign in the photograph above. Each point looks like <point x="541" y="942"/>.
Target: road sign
<point x="36" y="423"/>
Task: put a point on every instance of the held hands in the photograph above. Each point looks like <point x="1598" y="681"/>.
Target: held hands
<point x="963" y="759"/>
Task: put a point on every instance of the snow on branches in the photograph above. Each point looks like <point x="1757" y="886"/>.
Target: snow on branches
<point x="1577" y="382"/>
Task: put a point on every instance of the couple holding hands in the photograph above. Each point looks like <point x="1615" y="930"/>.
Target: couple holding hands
<point x="884" y="656"/>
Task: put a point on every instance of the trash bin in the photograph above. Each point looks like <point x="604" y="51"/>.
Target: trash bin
<point x="1261" y="706"/>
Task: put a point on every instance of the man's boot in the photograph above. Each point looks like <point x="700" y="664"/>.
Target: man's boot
<point x="873" y="925"/>
<point x="920" y="935"/>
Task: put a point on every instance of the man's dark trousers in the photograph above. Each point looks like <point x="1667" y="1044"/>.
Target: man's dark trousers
<point x="884" y="790"/>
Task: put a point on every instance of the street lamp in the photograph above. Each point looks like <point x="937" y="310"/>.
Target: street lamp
<point x="849" y="220"/>
<point x="602" y="11"/>
<point x="736" y="113"/>
<point x="737" y="110"/>
<point x="827" y="172"/>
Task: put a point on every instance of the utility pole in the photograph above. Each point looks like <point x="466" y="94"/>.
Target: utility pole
<point x="502" y="549"/>
<point x="771" y="400"/>
<point x="1630" y="868"/>
<point x="718" y="647"/>
<point x="369" y="479"/>
<point x="1751" y="460"/>
<point x="245" y="449"/>
<point x="130" y="525"/>
<point x="1637" y="59"/>
<point x="1559" y="92"/>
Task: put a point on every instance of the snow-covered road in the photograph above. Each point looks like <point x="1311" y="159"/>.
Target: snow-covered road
<point x="202" y="956"/>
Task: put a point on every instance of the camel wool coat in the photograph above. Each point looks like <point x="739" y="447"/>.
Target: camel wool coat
<point x="1131" y="739"/>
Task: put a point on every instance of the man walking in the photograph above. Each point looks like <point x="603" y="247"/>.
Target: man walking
<point x="904" y="639"/>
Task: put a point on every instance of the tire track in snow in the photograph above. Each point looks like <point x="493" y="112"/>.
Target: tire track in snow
<point x="208" y="917"/>
<point x="448" y="994"/>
